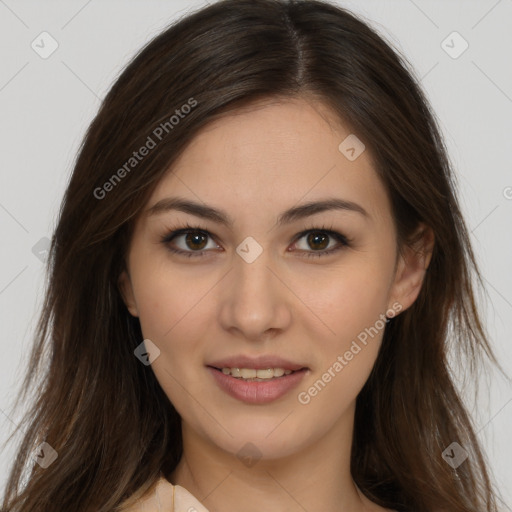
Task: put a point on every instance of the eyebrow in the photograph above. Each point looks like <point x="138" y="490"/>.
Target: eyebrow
<point x="220" y="217"/>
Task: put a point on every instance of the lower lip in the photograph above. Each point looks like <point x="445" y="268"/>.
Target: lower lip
<point x="257" y="392"/>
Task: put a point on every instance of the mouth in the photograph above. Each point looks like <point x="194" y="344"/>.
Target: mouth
<point x="257" y="386"/>
<point x="257" y="375"/>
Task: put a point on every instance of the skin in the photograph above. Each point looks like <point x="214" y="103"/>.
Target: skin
<point x="254" y="164"/>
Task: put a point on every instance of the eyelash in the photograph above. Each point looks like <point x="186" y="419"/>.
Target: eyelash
<point x="174" y="232"/>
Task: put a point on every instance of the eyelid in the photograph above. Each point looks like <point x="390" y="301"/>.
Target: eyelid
<point x="175" y="232"/>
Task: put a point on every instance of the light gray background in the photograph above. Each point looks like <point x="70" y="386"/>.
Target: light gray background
<point x="46" y="105"/>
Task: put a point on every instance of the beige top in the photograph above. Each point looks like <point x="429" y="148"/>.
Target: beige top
<point x="168" y="498"/>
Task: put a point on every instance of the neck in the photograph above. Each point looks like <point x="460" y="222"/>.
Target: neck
<point x="314" y="477"/>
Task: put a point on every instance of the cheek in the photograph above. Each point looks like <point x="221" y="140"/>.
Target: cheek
<point x="175" y="313"/>
<point x="164" y="297"/>
<point x="157" y="305"/>
<point x="352" y="308"/>
<point x="173" y="317"/>
<point x="346" y="300"/>
<point x="345" y="359"/>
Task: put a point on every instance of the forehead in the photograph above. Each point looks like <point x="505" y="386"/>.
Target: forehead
<point x="273" y="154"/>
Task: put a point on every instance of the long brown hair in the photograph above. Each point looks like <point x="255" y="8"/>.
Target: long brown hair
<point x="102" y="411"/>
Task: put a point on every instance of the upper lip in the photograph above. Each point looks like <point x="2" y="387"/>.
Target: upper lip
<point x="258" y="363"/>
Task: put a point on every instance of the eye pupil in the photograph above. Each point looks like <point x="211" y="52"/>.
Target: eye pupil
<point x="316" y="237"/>
<point x="193" y="239"/>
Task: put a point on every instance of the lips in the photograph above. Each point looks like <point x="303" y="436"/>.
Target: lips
<point x="262" y="392"/>
<point x="257" y="391"/>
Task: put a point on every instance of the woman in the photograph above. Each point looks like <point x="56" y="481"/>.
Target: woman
<point x="259" y="267"/>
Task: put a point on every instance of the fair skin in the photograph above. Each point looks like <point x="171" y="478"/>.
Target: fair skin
<point x="253" y="165"/>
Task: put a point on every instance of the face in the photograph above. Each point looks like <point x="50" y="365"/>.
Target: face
<point x="252" y="287"/>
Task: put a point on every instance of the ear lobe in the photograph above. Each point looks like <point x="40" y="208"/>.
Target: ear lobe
<point x="125" y="289"/>
<point x="412" y="266"/>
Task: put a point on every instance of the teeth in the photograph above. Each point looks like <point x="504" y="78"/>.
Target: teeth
<point x="248" y="374"/>
<point x="251" y="373"/>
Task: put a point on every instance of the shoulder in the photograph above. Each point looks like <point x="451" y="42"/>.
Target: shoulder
<point x="164" y="496"/>
<point x="159" y="497"/>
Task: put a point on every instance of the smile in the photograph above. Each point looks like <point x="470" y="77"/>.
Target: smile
<point x="256" y="386"/>
<point x="253" y="374"/>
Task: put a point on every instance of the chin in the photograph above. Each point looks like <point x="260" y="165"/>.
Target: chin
<point x="270" y="439"/>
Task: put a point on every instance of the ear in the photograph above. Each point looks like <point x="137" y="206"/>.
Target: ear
<point x="125" y="288"/>
<point x="413" y="262"/>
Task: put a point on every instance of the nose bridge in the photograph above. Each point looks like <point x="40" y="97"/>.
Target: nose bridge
<point x="251" y="269"/>
<point x="254" y="302"/>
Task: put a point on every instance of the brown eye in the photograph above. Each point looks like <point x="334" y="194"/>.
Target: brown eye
<point x="318" y="240"/>
<point x="188" y="241"/>
<point x="196" y="241"/>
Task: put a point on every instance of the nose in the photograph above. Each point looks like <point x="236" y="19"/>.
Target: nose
<point x="256" y="303"/>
